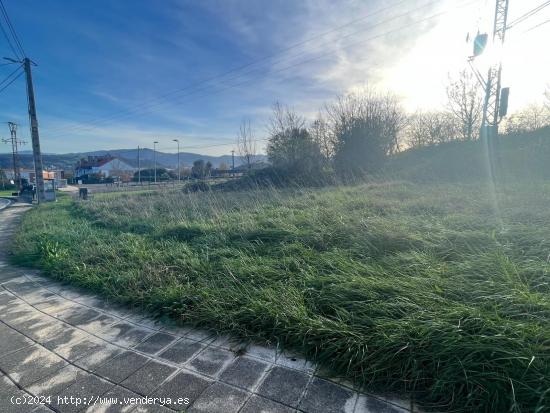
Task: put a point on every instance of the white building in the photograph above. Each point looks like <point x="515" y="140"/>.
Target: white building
<point x="105" y="166"/>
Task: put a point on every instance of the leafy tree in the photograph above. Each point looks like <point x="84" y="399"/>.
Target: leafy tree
<point x="366" y="127"/>
<point x="291" y="148"/>
<point x="208" y="169"/>
<point x="149" y="175"/>
<point x="294" y="152"/>
<point x="201" y="169"/>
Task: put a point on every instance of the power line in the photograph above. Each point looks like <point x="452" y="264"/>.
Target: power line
<point x="537" y="26"/>
<point x="91" y="127"/>
<point x="251" y="63"/>
<point x="13" y="80"/>
<point x="8" y="40"/>
<point x="10" y="75"/>
<point x="83" y="128"/>
<point x="12" y="29"/>
<point x="528" y="14"/>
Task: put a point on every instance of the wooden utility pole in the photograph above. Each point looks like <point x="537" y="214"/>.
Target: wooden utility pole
<point x="179" y="171"/>
<point x="37" y="155"/>
<point x="139" y="168"/>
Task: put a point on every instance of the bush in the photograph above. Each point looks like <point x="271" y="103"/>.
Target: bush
<point x="196" y="187"/>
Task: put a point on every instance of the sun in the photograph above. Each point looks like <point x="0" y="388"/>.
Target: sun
<point x="421" y="75"/>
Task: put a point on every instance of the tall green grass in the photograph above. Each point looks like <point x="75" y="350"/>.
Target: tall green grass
<point x="430" y="289"/>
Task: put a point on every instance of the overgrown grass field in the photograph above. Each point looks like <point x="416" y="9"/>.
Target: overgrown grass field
<point x="440" y="290"/>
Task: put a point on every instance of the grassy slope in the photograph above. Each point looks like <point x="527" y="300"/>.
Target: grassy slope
<point x="396" y="286"/>
<point x="519" y="157"/>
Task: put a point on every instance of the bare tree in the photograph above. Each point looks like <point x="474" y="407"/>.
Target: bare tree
<point x="547" y="96"/>
<point x="531" y="118"/>
<point x="283" y="118"/>
<point x="465" y="101"/>
<point x="246" y="143"/>
<point x="431" y="128"/>
<point x="321" y="133"/>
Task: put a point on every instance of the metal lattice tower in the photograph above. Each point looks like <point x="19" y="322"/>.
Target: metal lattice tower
<point x="15" y="143"/>
<point x="491" y="116"/>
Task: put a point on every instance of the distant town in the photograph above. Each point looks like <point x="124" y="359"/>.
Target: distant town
<point x="119" y="167"/>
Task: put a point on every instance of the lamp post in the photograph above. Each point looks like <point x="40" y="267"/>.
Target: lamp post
<point x="155" y="158"/>
<point x="179" y="170"/>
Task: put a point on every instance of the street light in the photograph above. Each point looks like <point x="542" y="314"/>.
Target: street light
<point x="155" y="158"/>
<point x="179" y="171"/>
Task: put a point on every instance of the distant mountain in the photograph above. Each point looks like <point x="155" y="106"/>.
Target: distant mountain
<point x="164" y="160"/>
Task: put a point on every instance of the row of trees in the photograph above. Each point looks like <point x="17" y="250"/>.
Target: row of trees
<point x="352" y="136"/>
<point x="355" y="134"/>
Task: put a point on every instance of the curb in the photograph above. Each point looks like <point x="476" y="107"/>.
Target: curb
<point x="10" y="201"/>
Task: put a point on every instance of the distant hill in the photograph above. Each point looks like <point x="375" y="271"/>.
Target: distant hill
<point x="164" y="160"/>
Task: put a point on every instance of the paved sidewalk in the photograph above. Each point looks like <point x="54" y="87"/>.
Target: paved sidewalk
<point x="57" y="341"/>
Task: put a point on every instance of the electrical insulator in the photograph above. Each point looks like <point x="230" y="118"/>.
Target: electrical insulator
<point x="479" y="44"/>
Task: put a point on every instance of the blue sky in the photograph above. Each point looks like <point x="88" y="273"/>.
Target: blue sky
<point x="117" y="74"/>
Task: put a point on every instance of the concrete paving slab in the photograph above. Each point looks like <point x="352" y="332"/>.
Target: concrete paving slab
<point x="79" y="395"/>
<point x="6" y="298"/>
<point x="203" y="336"/>
<point x="211" y="361"/>
<point x="56" y="382"/>
<point x="11" y="340"/>
<point x="54" y="305"/>
<point x="78" y="315"/>
<point x="155" y="343"/>
<point x="258" y="404"/>
<point x="97" y="356"/>
<point x="367" y="404"/>
<point x="284" y="385"/>
<point x="265" y="353"/>
<point x="219" y="398"/>
<point x="294" y="361"/>
<point x="148" y="378"/>
<point x="67" y="336"/>
<point x="323" y="396"/>
<point x="244" y="372"/>
<point x="12" y="399"/>
<point x="37" y="326"/>
<point x="155" y="408"/>
<point x="99" y="324"/>
<point x="30" y="364"/>
<point x="125" y="334"/>
<point x="121" y="367"/>
<point x="74" y="351"/>
<point x="116" y="400"/>
<point x="42" y="409"/>
<point x="181" y="351"/>
<point x="184" y="385"/>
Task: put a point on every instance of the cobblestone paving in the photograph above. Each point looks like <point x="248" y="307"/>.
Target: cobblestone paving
<point x="57" y="341"/>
